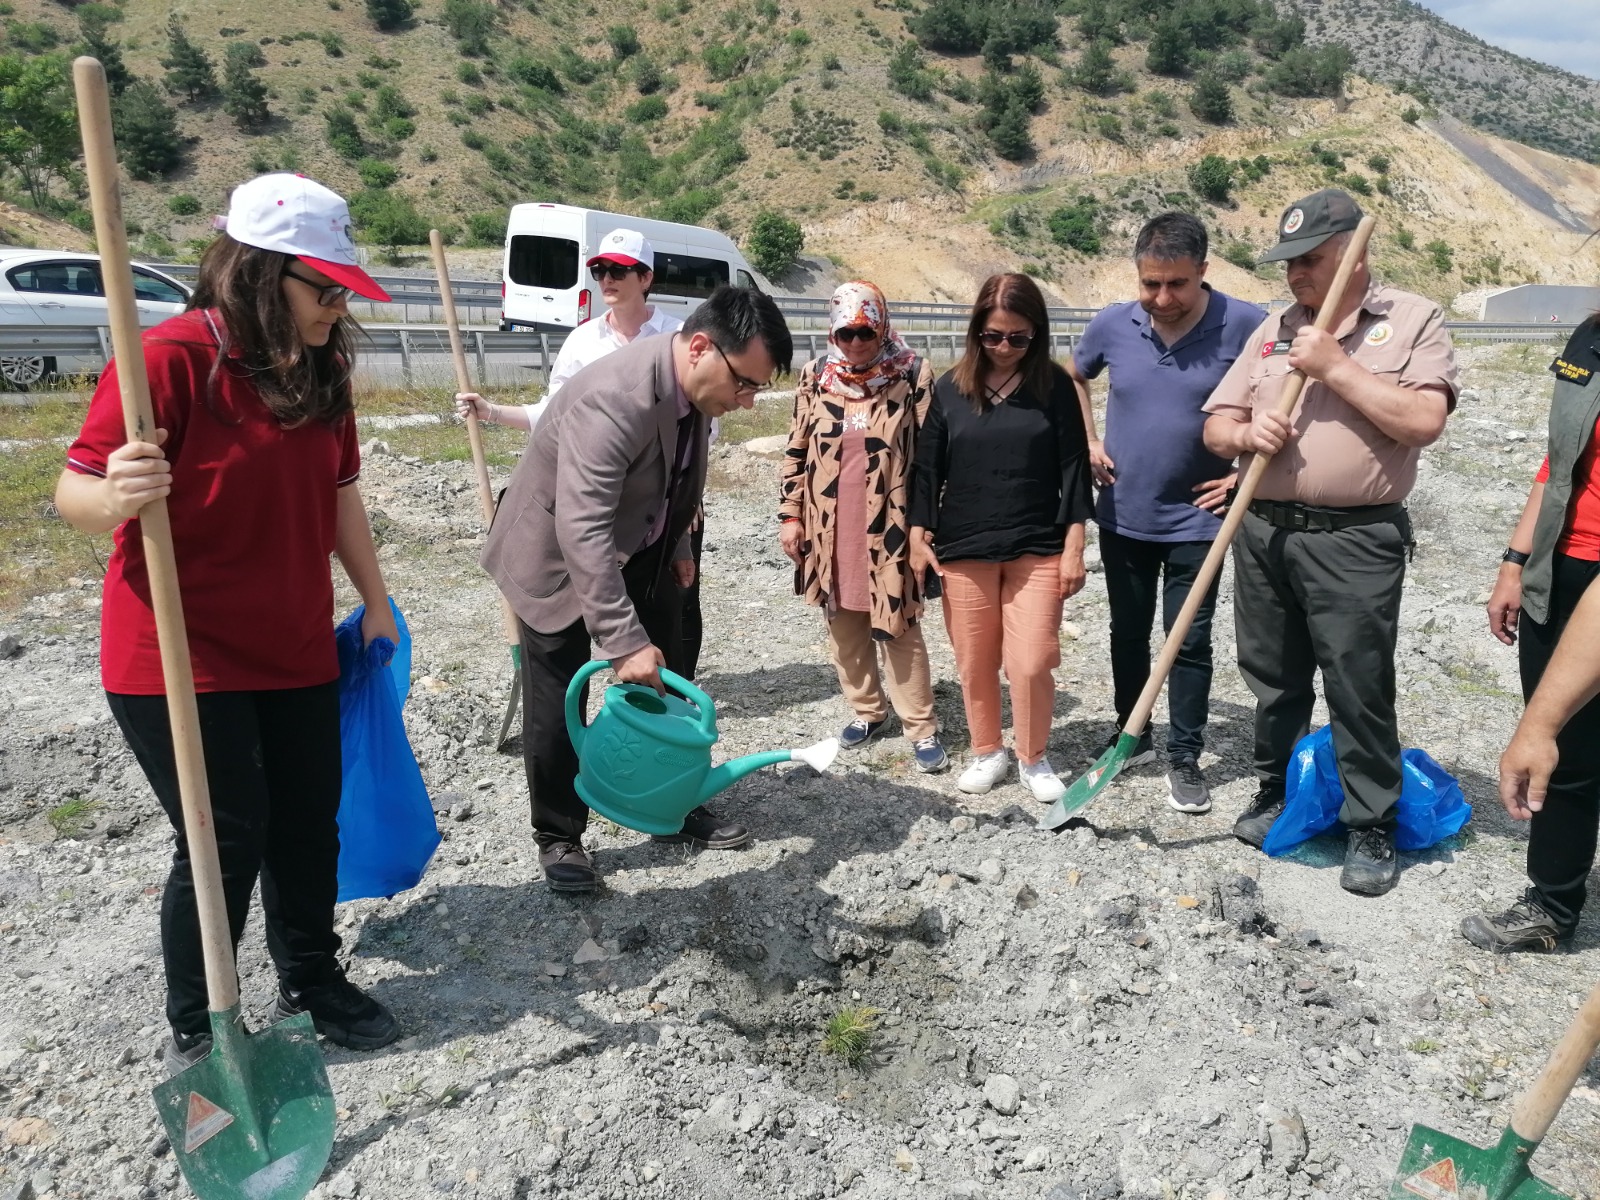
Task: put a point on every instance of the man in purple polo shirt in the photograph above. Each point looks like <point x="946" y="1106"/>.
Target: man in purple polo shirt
<point x="1161" y="490"/>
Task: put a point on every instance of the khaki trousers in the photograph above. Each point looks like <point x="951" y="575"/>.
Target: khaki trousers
<point x="908" y="675"/>
<point x="1006" y="614"/>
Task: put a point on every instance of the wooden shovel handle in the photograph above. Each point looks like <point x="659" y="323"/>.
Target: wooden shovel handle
<point x="1539" y="1106"/>
<point x="155" y="529"/>
<point x="480" y="467"/>
<point x="1140" y="716"/>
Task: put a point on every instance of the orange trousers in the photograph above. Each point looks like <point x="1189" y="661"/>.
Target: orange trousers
<point x="1006" y="615"/>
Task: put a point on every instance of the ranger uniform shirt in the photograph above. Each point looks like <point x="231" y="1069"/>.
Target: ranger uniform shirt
<point x="1340" y="458"/>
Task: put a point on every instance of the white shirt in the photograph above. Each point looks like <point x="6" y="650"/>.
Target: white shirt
<point x="590" y="342"/>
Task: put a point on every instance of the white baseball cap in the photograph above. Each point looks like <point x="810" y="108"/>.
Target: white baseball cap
<point x="295" y="215"/>
<point x="626" y="246"/>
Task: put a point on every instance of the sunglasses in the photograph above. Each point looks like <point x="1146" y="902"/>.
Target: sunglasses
<point x="741" y="384"/>
<point x="855" y="333"/>
<point x="616" y="272"/>
<point x="993" y="337"/>
<point x="328" y="294"/>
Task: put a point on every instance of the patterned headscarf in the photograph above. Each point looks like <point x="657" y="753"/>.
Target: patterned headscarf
<point x="856" y="304"/>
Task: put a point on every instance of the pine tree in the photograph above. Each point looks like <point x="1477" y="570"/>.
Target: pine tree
<point x="1170" y="48"/>
<point x="189" y="71"/>
<point x="1211" y="100"/>
<point x="1009" y="134"/>
<point x="147" y="131"/>
<point x="389" y="14"/>
<point x="244" y="97"/>
<point x="94" y="41"/>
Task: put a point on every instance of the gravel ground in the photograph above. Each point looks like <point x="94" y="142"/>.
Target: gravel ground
<point x="1139" y="1006"/>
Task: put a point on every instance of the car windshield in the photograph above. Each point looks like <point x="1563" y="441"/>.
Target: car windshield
<point x="152" y="287"/>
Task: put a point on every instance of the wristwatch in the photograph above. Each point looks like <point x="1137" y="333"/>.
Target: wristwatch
<point x="1514" y="556"/>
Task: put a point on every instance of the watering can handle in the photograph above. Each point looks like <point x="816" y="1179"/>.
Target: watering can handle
<point x="576" y="729"/>
<point x="708" y="710"/>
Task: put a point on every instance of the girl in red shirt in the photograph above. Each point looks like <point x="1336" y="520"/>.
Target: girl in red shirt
<point x="255" y="451"/>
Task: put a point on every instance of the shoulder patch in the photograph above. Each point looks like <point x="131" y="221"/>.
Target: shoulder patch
<point x="1571" y="372"/>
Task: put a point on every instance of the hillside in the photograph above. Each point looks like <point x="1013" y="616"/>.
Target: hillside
<point x="1402" y="43"/>
<point x="922" y="167"/>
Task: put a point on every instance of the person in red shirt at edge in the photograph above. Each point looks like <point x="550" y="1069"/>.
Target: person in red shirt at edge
<point x="255" y="450"/>
<point x="1552" y="559"/>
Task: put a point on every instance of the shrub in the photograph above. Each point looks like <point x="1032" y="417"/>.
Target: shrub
<point x="533" y="73"/>
<point x="773" y="243"/>
<point x="1212" y="178"/>
<point x="388" y="218"/>
<point x="473" y="140"/>
<point x="1210" y="100"/>
<point x="477" y="104"/>
<point x="468" y="74"/>
<point x="375" y="173"/>
<point x="1073" y="226"/>
<point x="332" y="46"/>
<point x="890" y="122"/>
<point x="427" y="154"/>
<point x="472" y="23"/>
<point x="908" y="74"/>
<point x="645" y="110"/>
<point x="1442" y="255"/>
<point x="1411" y="115"/>
<point x="1357" y="183"/>
<point x="183" y="205"/>
<point x="343" y="135"/>
<point x="624" y="41"/>
<point x="646" y="75"/>
<point x="486" y="229"/>
<point x="1240" y="255"/>
<point x="1306" y="72"/>
<point x="1109" y="126"/>
<point x="1379" y="163"/>
<point x="389" y="14"/>
<point x="1405" y="239"/>
<point x="798" y="38"/>
<point x="725" y="62"/>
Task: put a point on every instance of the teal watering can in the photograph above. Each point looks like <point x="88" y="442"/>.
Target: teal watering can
<point x="645" y="759"/>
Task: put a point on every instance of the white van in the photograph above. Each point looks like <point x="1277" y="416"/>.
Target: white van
<point x="547" y="287"/>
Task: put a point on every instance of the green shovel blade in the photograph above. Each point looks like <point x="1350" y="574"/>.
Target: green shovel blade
<point x="253" y="1120"/>
<point x="1436" y="1166"/>
<point x="1091" y="783"/>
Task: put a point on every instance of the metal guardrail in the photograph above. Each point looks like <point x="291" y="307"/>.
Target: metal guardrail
<point x="418" y="346"/>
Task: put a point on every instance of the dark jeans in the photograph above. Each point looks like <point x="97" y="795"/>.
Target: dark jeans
<point x="1134" y="571"/>
<point x="1329" y="600"/>
<point x="1561" y="836"/>
<point x="272" y="763"/>
<point x="549" y="661"/>
<point x="691" y="608"/>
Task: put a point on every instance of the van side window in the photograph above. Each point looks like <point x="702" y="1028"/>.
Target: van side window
<point x="746" y="280"/>
<point x="544" y="262"/>
<point x="687" y="275"/>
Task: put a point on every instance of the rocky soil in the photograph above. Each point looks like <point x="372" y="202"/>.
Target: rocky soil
<point x="1139" y="1006"/>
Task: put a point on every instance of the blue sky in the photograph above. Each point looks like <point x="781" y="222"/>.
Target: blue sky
<point x="1564" y="33"/>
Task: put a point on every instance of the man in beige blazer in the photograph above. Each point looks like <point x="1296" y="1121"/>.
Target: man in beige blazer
<point x="591" y="539"/>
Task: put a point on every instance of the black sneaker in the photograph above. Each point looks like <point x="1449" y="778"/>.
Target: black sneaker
<point x="1524" y="926"/>
<point x="703" y="828"/>
<point x="1143" y="754"/>
<point x="1186" y="787"/>
<point x="1370" y="865"/>
<point x="1256" y="821"/>
<point x="341" y="1012"/>
<point x="183" y="1051"/>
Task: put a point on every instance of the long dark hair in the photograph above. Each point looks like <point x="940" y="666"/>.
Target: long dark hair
<point x="1020" y="295"/>
<point x="297" y="383"/>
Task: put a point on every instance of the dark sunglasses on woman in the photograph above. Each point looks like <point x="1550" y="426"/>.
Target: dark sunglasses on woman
<point x="993" y="337"/>
<point x="613" y="271"/>
<point x="854" y="333"/>
<point x="328" y="294"/>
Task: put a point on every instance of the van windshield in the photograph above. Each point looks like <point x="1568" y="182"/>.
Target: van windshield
<point x="544" y="262"/>
<point x="686" y="275"/>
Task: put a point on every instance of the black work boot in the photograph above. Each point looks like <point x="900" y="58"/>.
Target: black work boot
<point x="568" y="868"/>
<point x="184" y="1050"/>
<point x="703" y="828"/>
<point x="1526" y="925"/>
<point x="1255" y="822"/>
<point x="1370" y="865"/>
<point x="341" y="1012"/>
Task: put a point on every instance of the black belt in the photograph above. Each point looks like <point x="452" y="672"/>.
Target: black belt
<point x="1307" y="518"/>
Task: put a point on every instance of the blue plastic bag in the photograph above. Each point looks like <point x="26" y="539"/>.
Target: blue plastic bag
<point x="387" y="833"/>
<point x="1431" y="804"/>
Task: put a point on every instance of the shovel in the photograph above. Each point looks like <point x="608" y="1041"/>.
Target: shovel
<point x="254" y="1118"/>
<point x="481" y="469"/>
<point x="1108" y="765"/>
<point x="1437" y="1166"/>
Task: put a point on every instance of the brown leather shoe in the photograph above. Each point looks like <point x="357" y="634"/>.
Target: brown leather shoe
<point x="568" y="868"/>
<point x="705" y="829"/>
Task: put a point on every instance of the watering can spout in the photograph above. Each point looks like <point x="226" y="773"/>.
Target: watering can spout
<point x="819" y="757"/>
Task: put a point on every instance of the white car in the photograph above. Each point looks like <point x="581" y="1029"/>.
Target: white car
<point x="44" y="287"/>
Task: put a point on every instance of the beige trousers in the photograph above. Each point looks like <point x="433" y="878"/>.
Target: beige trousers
<point x="908" y="675"/>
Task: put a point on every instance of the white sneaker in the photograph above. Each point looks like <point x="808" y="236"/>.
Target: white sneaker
<point x="984" y="772"/>
<point x="1041" y="779"/>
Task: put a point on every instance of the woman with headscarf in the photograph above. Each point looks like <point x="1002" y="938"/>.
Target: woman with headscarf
<point x="843" y="515"/>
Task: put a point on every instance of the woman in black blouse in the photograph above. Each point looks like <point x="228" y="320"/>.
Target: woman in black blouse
<point x="999" y="499"/>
